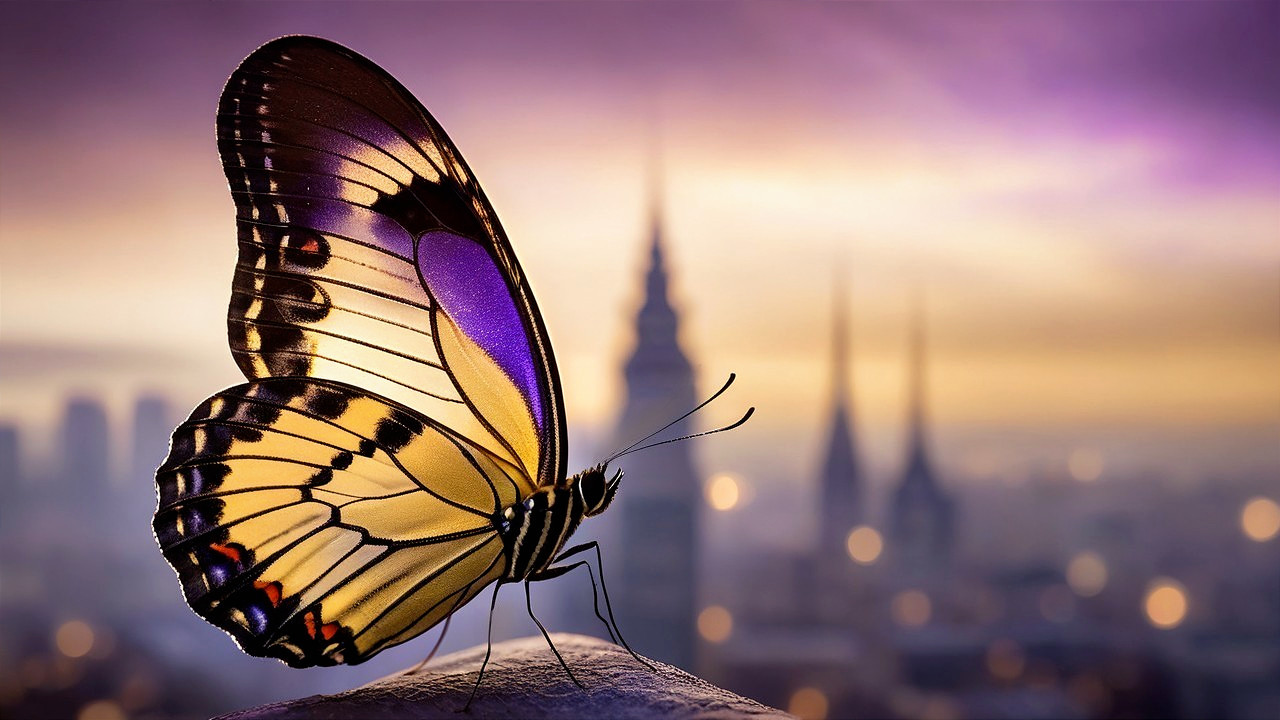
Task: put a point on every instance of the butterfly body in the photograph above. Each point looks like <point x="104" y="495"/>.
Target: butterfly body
<point x="535" y="530"/>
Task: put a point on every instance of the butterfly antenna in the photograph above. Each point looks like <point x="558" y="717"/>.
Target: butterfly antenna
<point x="704" y="403"/>
<point x="742" y="420"/>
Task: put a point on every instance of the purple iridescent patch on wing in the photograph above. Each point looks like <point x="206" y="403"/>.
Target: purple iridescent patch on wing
<point x="473" y="292"/>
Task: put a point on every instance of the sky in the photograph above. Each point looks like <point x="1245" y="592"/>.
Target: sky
<point x="1085" y="195"/>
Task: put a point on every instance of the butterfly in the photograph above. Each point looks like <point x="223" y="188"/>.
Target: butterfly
<point x="400" y="442"/>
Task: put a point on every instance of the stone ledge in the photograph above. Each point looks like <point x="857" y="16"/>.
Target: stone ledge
<point x="524" y="680"/>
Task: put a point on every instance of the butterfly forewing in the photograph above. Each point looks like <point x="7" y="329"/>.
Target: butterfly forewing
<point x="361" y="231"/>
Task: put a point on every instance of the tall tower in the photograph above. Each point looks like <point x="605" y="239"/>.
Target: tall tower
<point x="84" y="446"/>
<point x="10" y="476"/>
<point x="659" y="499"/>
<point x="10" y="464"/>
<point x="842" y="504"/>
<point x="922" y="516"/>
<point x="152" y="425"/>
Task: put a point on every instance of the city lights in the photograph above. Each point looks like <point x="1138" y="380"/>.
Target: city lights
<point x="101" y="710"/>
<point x="809" y="703"/>
<point x="1057" y="604"/>
<point x="865" y="544"/>
<point x="1087" y="574"/>
<point x="139" y="690"/>
<point x="911" y="608"/>
<point x="1090" y="691"/>
<point x="1260" y="519"/>
<point x="74" y="639"/>
<point x="1005" y="660"/>
<point x="1086" y="465"/>
<point x="723" y="493"/>
<point x="715" y="624"/>
<point x="1166" y="603"/>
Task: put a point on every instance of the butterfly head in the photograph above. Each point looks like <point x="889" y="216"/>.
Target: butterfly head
<point x="596" y="492"/>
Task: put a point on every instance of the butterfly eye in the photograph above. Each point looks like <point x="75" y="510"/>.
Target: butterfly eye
<point x="591" y="486"/>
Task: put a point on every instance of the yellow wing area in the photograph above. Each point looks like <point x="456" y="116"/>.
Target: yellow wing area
<point x="319" y="524"/>
<point x="495" y="397"/>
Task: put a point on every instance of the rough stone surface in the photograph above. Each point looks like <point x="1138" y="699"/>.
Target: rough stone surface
<point x="524" y="680"/>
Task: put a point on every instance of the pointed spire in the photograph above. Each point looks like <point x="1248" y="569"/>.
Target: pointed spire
<point x="655" y="181"/>
<point x="840" y="340"/>
<point x="841" y="485"/>
<point x="656" y="276"/>
<point x="918" y="469"/>
<point x="657" y="351"/>
<point x="922" y="513"/>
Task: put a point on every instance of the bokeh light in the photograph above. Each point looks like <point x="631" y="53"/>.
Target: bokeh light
<point x="101" y="710"/>
<point x="1260" y="519"/>
<point x="1166" y="603"/>
<point x="723" y="492"/>
<point x="939" y="707"/>
<point x="1057" y="604"/>
<point x="715" y="624"/>
<point x="1087" y="574"/>
<point x="911" y="608"/>
<point x="1086" y="464"/>
<point x="864" y="544"/>
<point x="1091" y="692"/>
<point x="1005" y="660"/>
<point x="74" y="638"/>
<point x="809" y="703"/>
<point x="139" y="691"/>
<point x="33" y="672"/>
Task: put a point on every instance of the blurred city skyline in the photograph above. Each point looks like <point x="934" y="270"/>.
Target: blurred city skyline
<point x="1083" y="197"/>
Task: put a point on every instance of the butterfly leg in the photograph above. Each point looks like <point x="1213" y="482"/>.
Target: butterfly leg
<point x="435" y="647"/>
<point x="488" y="648"/>
<point x="608" y="606"/>
<point x="556" y="572"/>
<point x="528" y="603"/>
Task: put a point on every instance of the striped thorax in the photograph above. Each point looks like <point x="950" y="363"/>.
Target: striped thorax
<point x="534" y="531"/>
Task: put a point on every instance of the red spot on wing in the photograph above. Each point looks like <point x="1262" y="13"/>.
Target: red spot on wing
<point x="311" y="245"/>
<point x="230" y="551"/>
<point x="272" y="589"/>
<point x="310" y="620"/>
<point x="329" y="630"/>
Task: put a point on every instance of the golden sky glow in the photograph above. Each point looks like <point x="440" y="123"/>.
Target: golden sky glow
<point x="1097" y="258"/>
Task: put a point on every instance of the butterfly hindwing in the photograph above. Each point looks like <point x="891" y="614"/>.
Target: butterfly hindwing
<point x="370" y="255"/>
<point x="318" y="524"/>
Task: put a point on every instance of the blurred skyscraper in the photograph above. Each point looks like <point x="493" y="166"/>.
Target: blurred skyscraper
<point x="842" y="492"/>
<point x="10" y="472"/>
<point x="85" y="446"/>
<point x="922" y="515"/>
<point x="10" y="463"/>
<point x="659" y="500"/>
<point x="152" y="425"/>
